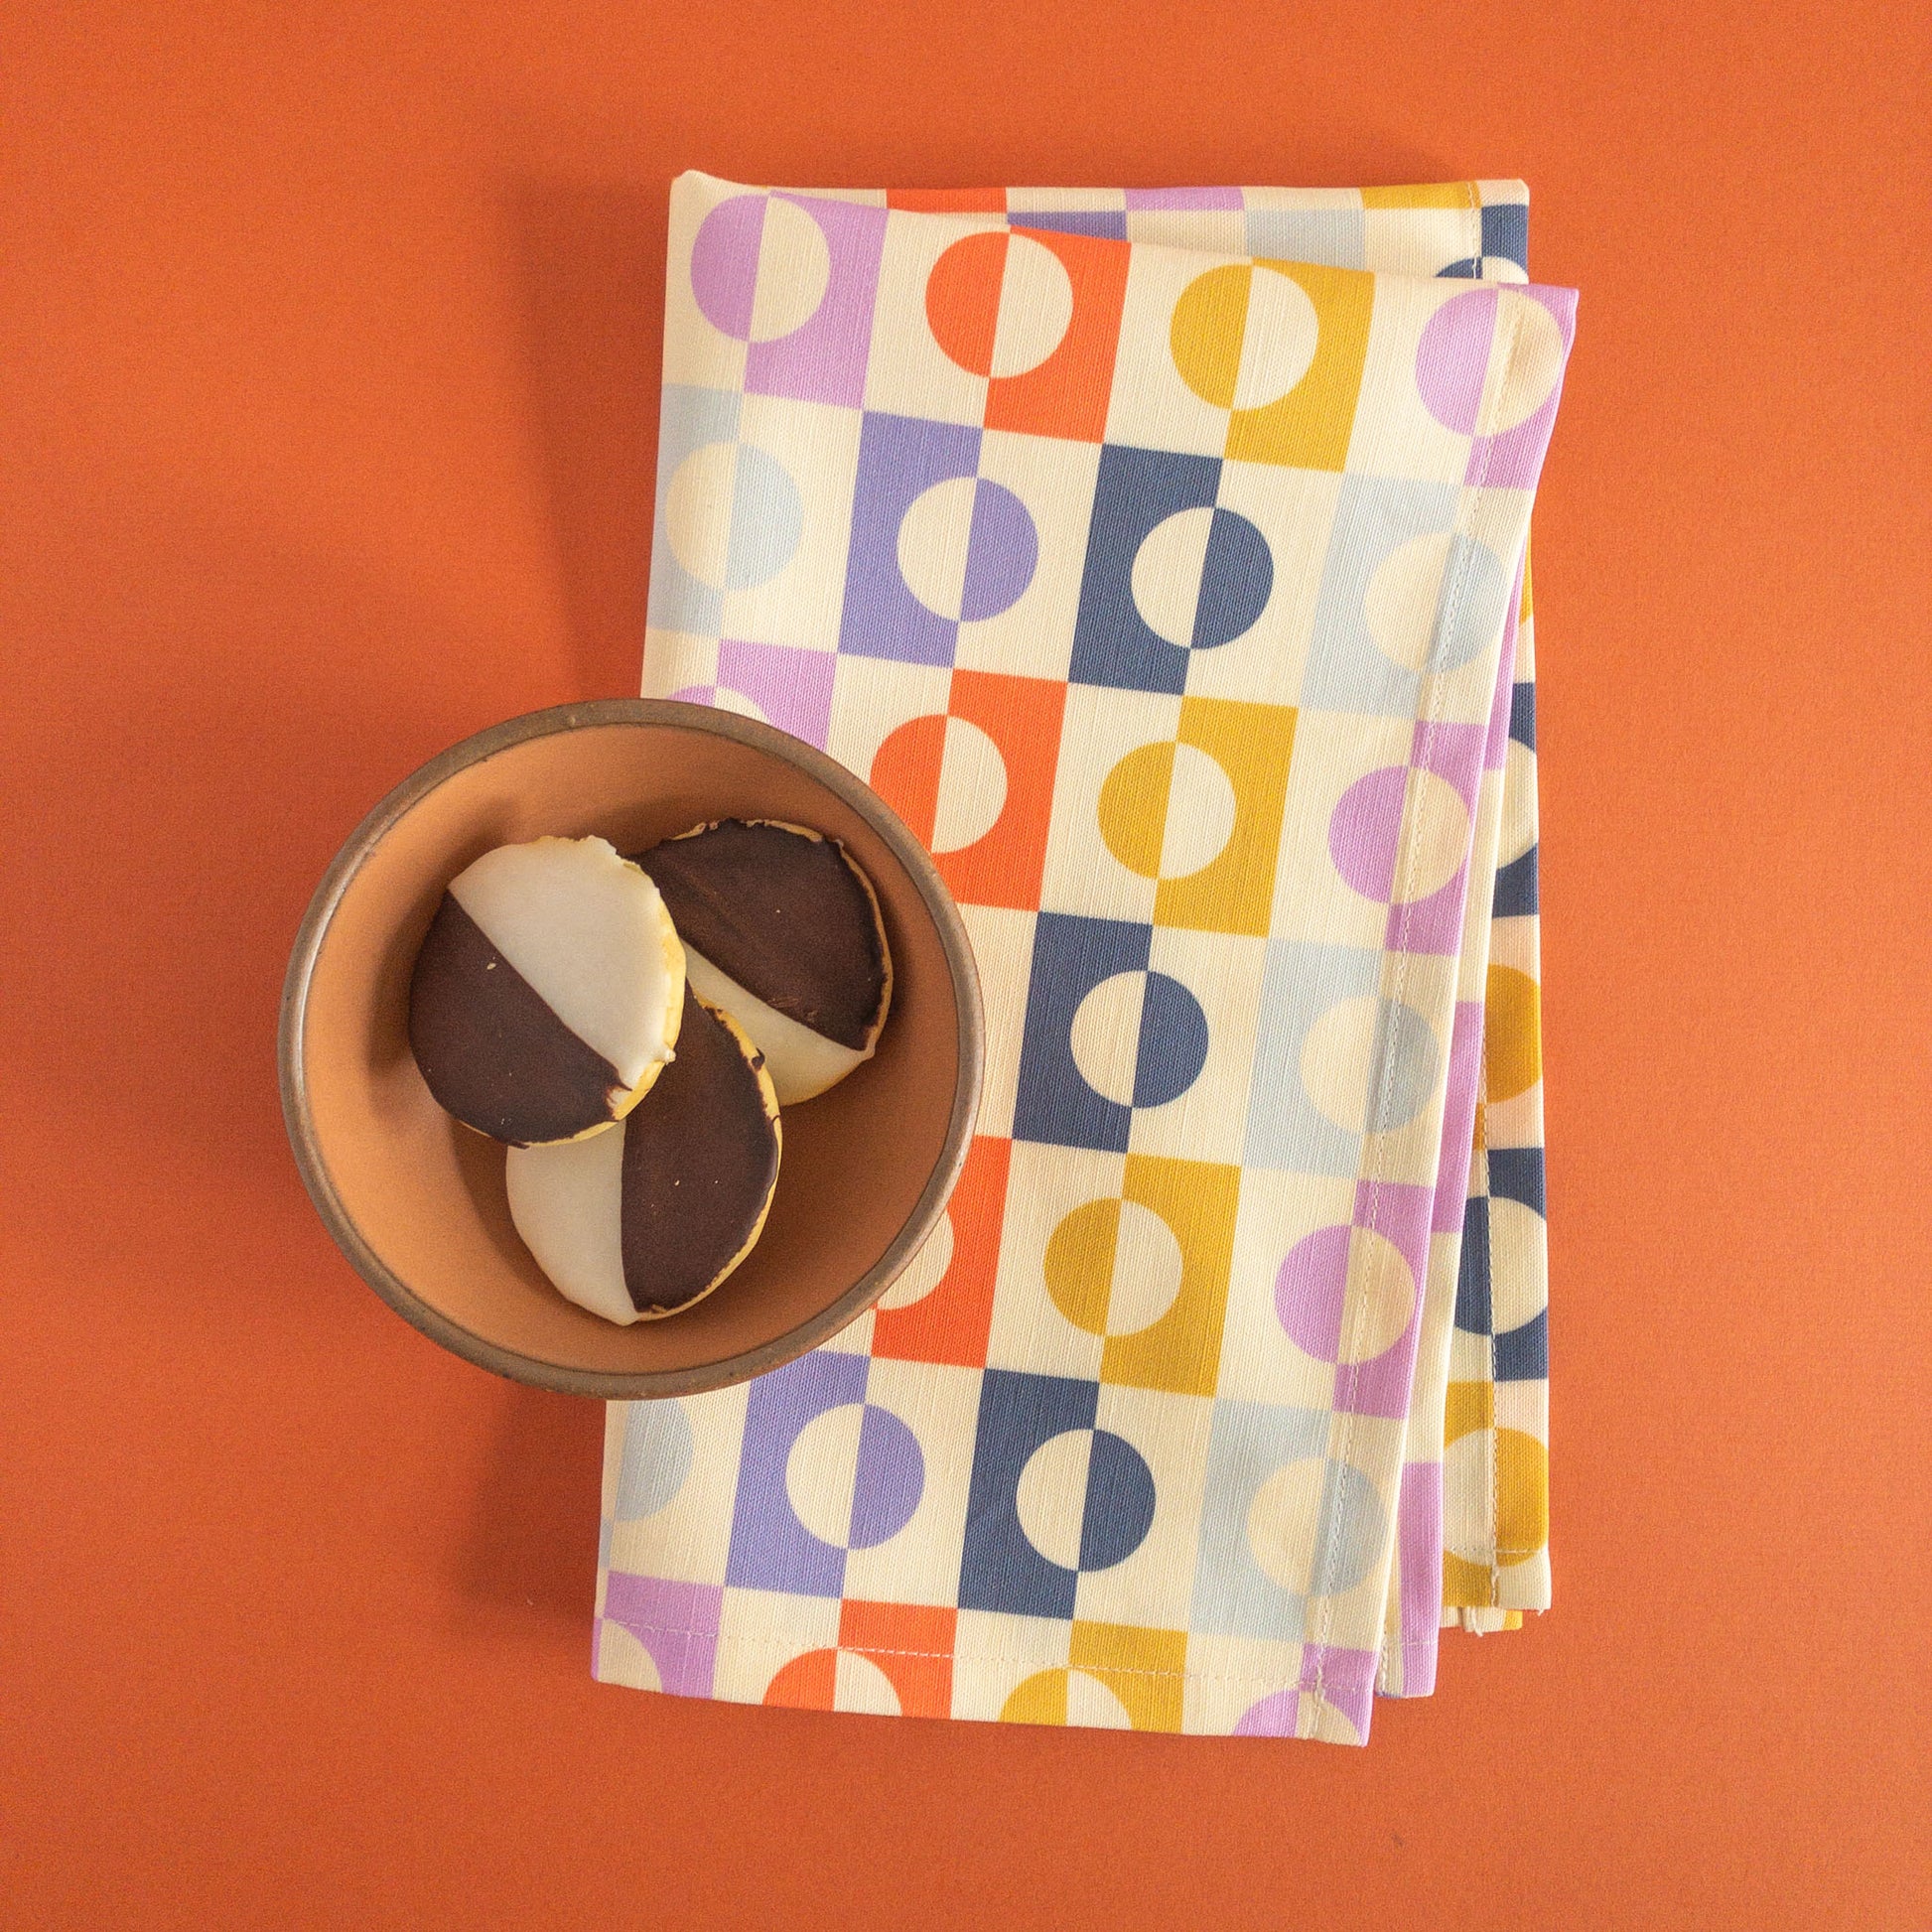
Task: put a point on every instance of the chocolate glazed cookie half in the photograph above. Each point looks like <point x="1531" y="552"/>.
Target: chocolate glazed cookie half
<point x="781" y="928"/>
<point x="649" y="1219"/>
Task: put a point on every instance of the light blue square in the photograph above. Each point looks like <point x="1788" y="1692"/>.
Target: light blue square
<point x="689" y="419"/>
<point x="1374" y="517"/>
<point x="1300" y="983"/>
<point x="1233" y="1595"/>
<point x="1333" y="237"/>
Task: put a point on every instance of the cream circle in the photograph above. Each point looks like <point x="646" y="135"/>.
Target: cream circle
<point x="1147" y="1273"/>
<point x="972" y="788"/>
<point x="858" y="1684"/>
<point x="1284" y="1521"/>
<point x="1279" y="341"/>
<point x="1379" y="1299"/>
<point x="1519" y="802"/>
<point x="732" y="516"/>
<point x="1201" y="810"/>
<point x="933" y="536"/>
<point x="724" y="698"/>
<point x="926" y="1271"/>
<point x="1091" y="1704"/>
<point x="698" y="510"/>
<point x="1435" y="836"/>
<point x="794" y="269"/>
<point x="822" y="1472"/>
<point x="1518" y="1265"/>
<point x="1051" y="1498"/>
<point x="1167" y="573"/>
<point x="621" y="1659"/>
<point x="1469" y="1487"/>
<point x="1400" y="601"/>
<point x="1338" y="1058"/>
<point x="1106" y="1035"/>
<point x="1036" y="307"/>
<point x="1516" y="387"/>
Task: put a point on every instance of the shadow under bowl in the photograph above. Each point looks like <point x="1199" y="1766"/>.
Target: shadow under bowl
<point x="417" y="1201"/>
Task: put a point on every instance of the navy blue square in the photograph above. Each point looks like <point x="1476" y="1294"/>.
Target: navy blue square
<point x="1515" y="887"/>
<point x="1523" y="1354"/>
<point x="1522" y="714"/>
<point x="1113" y="644"/>
<point x="1473" y="1315"/>
<point x="1516" y="1173"/>
<point x="1071" y="956"/>
<point x="1506" y="233"/>
<point x="1000" y="1568"/>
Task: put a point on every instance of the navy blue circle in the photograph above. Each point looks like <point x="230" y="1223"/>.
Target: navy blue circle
<point x="1237" y="574"/>
<point x="1173" y="1047"/>
<point x="1119" y="1503"/>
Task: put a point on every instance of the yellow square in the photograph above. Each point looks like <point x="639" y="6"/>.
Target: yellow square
<point x="1252" y="746"/>
<point x="1197" y="1201"/>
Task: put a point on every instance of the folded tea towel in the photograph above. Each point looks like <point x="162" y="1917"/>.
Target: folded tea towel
<point x="1159" y="557"/>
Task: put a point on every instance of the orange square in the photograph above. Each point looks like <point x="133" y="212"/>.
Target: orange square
<point x="911" y="1644"/>
<point x="1067" y="394"/>
<point x="950" y="1321"/>
<point x="1021" y="716"/>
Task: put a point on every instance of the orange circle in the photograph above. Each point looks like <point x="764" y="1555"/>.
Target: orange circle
<point x="905" y="772"/>
<point x="962" y="299"/>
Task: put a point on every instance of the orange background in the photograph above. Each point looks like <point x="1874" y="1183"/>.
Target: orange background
<point x="330" y="337"/>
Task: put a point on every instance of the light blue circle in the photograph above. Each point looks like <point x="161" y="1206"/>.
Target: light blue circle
<point x="1407" y="1064"/>
<point x="1476" y="591"/>
<point x="767" y="520"/>
<point x="1349" y="1533"/>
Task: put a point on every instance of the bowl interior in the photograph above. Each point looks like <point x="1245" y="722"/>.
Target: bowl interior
<point x="426" y="1196"/>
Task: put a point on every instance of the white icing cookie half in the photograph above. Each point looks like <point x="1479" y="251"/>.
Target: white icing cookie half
<point x="548" y="993"/>
<point x="643" y="1221"/>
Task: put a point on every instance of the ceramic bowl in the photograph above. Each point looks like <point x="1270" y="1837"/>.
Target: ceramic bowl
<point x="416" y="1202"/>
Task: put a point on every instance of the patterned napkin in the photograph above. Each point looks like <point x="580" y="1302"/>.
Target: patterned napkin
<point x="1159" y="556"/>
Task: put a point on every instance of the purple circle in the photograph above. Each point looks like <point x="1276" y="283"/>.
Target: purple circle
<point x="1310" y="1291"/>
<point x="1365" y="831"/>
<point x="1002" y="552"/>
<point x="1272" y="1717"/>
<point x="1452" y="359"/>
<point x="725" y="263"/>
<point x="890" y="1480"/>
<point x="696" y="694"/>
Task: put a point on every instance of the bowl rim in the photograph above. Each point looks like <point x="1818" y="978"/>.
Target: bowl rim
<point x="640" y="1384"/>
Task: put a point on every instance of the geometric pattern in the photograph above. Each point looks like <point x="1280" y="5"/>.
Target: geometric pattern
<point x="1157" y="556"/>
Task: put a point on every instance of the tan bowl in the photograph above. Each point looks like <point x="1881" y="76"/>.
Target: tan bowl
<point x="416" y="1202"/>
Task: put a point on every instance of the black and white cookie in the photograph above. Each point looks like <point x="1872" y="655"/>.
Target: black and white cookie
<point x="781" y="928"/>
<point x="547" y="996"/>
<point x="646" y="1221"/>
